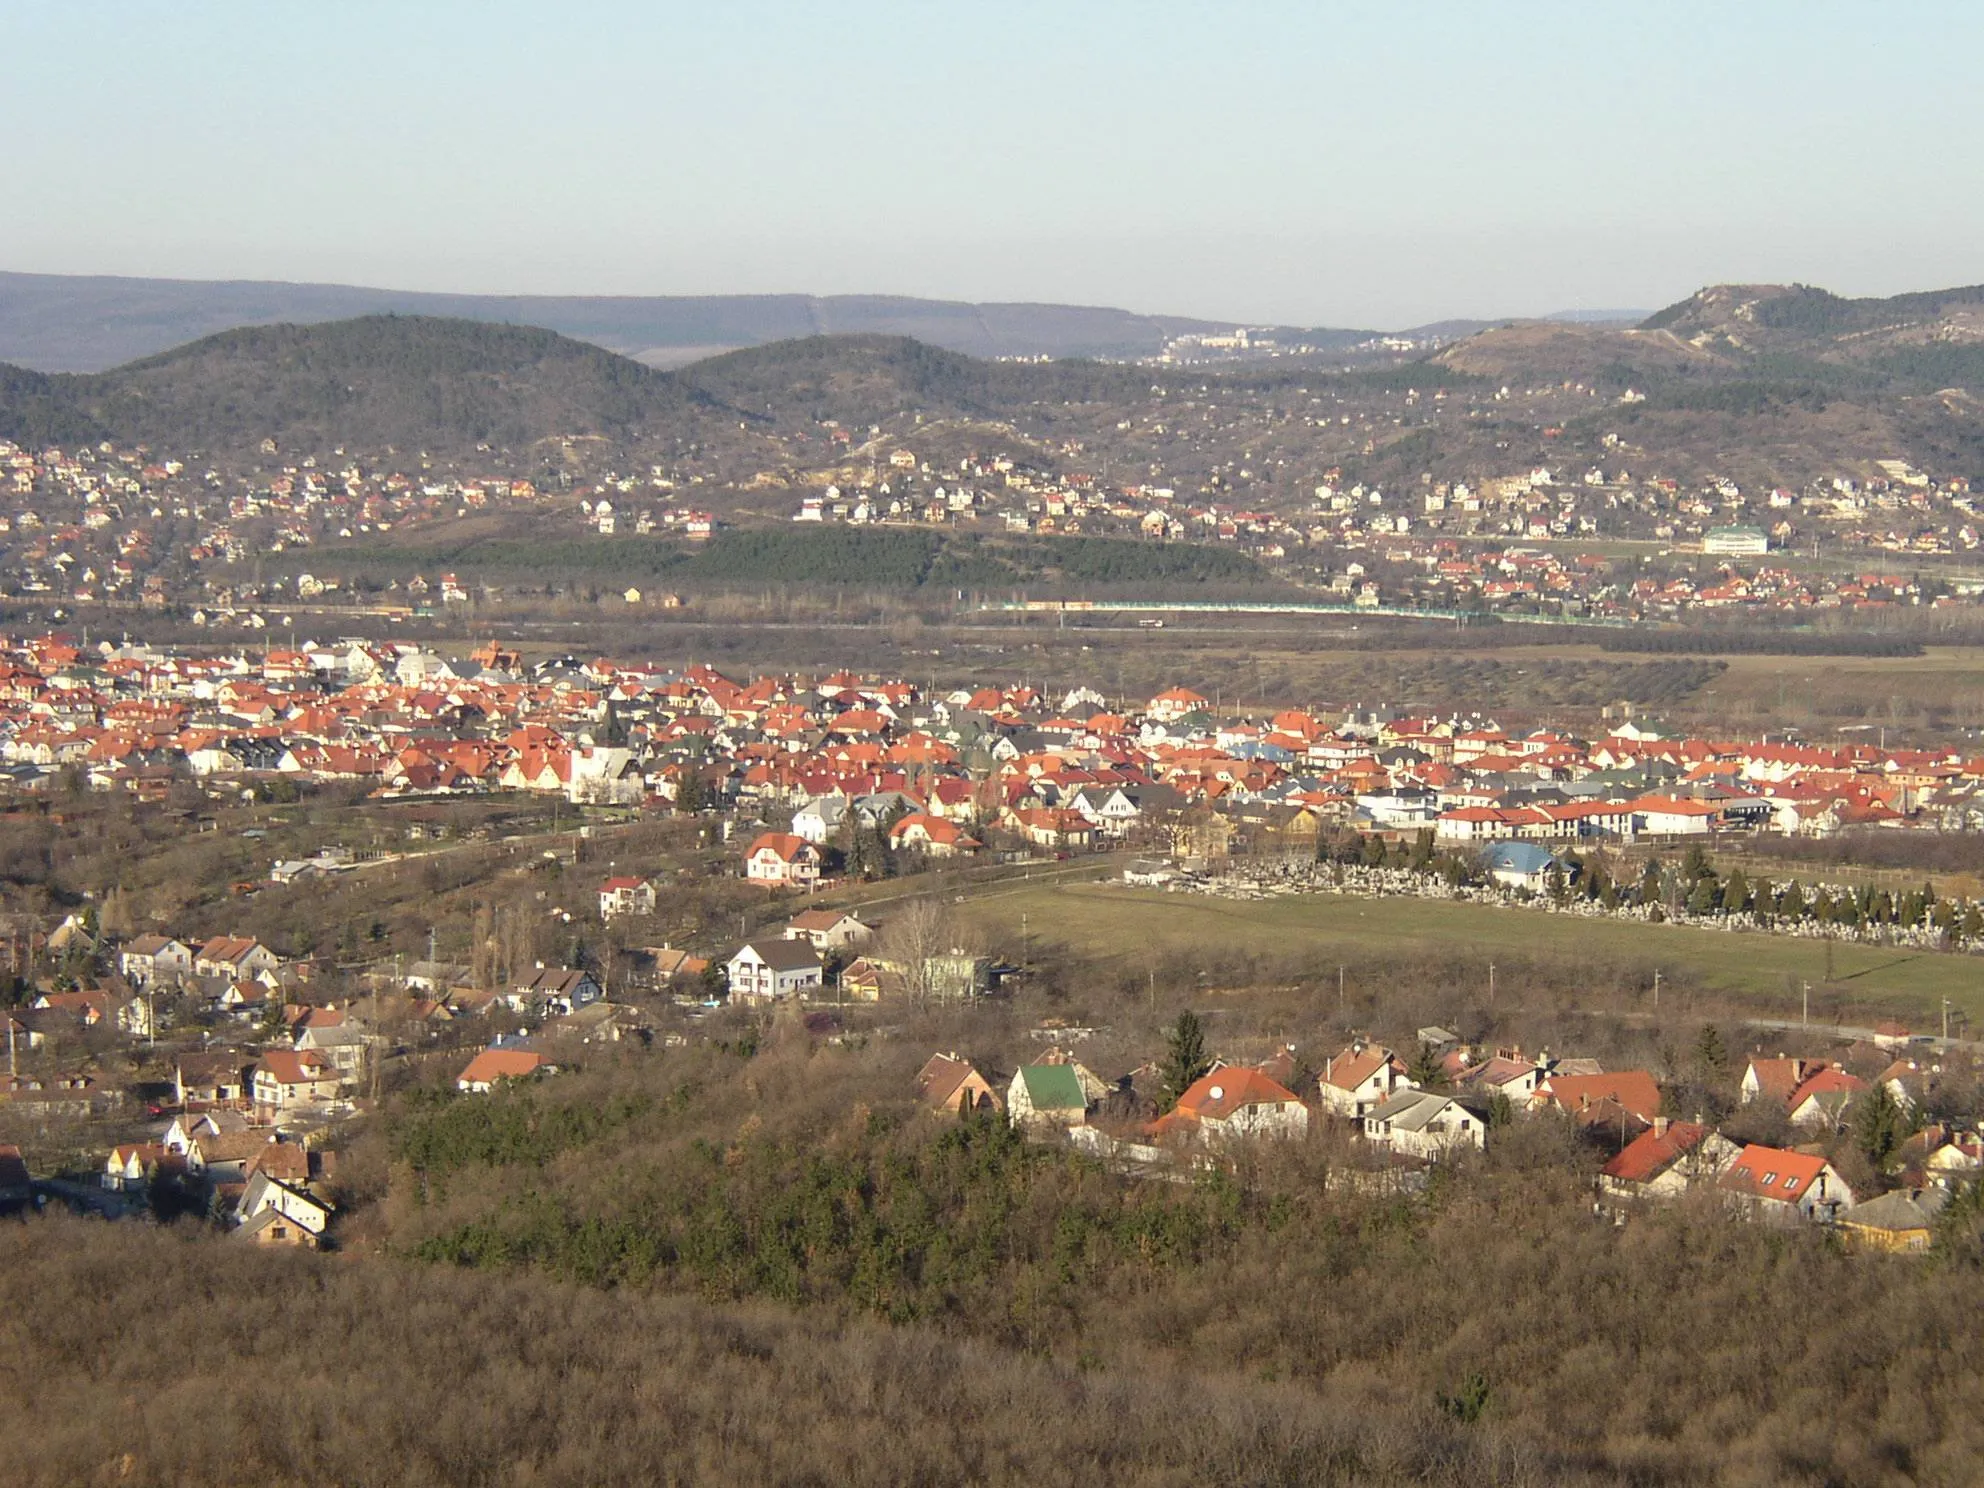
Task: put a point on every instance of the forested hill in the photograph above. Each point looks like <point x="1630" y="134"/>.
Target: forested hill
<point x="380" y="382"/>
<point x="860" y="379"/>
<point x="1781" y="333"/>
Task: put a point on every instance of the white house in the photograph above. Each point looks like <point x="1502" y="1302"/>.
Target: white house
<point x="1235" y="1101"/>
<point x="782" y="858"/>
<point x="1421" y="1124"/>
<point x="1047" y="1096"/>
<point x="603" y="775"/>
<point x="626" y="894"/>
<point x="1774" y="1184"/>
<point x="772" y="970"/>
<point x="1360" y="1079"/>
<point x="265" y="1197"/>
<point x="155" y="958"/>
<point x="1520" y="865"/>
<point x="820" y="818"/>
<point x="286" y="1079"/>
<point x="829" y="930"/>
<point x="1666" y="1160"/>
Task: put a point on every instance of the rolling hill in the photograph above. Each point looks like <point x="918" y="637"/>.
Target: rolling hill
<point x="859" y="379"/>
<point x="1760" y="384"/>
<point x="377" y="382"/>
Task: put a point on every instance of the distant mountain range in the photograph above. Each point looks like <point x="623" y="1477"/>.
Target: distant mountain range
<point x="1776" y="382"/>
<point x="64" y="323"/>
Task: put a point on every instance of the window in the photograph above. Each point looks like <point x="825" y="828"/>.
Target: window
<point x="1769" y="1179"/>
<point x="1791" y="1185"/>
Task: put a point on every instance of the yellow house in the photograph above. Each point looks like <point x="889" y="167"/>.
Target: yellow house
<point x="1902" y="1221"/>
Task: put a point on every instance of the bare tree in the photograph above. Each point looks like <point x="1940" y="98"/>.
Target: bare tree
<point x="928" y="948"/>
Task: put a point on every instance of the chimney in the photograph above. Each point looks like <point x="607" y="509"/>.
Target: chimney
<point x="1659" y="1127"/>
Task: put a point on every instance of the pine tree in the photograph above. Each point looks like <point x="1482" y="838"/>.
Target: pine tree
<point x="1710" y="1057"/>
<point x="1736" y="893"/>
<point x="1185" y="1060"/>
<point x="1701" y="899"/>
<point x="1426" y="1071"/>
<point x="1880" y="1125"/>
<point x="1596" y="881"/>
<point x="690" y="794"/>
<point x="1791" y="904"/>
<point x="1945" y="919"/>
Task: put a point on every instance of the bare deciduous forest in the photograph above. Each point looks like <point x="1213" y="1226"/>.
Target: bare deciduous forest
<point x="734" y="1265"/>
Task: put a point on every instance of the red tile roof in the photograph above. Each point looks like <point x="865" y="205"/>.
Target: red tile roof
<point x="1772" y="1173"/>
<point x="1652" y="1153"/>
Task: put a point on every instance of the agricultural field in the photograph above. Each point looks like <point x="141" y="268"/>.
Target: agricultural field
<point x="1759" y="973"/>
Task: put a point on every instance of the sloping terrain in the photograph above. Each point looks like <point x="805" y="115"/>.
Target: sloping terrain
<point x="859" y="379"/>
<point x="1529" y="352"/>
<point x="381" y="382"/>
<point x="1797" y="319"/>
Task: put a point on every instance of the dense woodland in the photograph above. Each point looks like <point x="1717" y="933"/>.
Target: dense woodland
<point x="761" y="1263"/>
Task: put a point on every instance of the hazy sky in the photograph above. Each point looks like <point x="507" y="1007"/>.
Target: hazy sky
<point x="1344" y="164"/>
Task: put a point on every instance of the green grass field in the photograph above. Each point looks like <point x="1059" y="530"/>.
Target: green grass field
<point x="1105" y="921"/>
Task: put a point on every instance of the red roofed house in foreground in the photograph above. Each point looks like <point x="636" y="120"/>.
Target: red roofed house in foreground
<point x="286" y="1078"/>
<point x="1234" y="1101"/>
<point x="950" y="1086"/>
<point x="1624" y="1100"/>
<point x="1785" y="1186"/>
<point x="494" y="1065"/>
<point x="1666" y="1160"/>
<point x="1360" y="1079"/>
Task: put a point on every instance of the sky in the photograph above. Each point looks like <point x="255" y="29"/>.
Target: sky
<point x="1372" y="165"/>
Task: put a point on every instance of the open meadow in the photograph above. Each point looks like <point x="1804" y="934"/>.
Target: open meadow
<point x="1763" y="973"/>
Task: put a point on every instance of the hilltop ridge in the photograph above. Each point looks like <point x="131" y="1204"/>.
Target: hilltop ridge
<point x="376" y="382"/>
<point x="79" y="323"/>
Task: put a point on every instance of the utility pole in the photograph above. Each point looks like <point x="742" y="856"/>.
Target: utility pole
<point x="1946" y="1020"/>
<point x="1491" y="984"/>
<point x="1656" y="989"/>
<point x="1339" y="988"/>
<point x="1806" y="1016"/>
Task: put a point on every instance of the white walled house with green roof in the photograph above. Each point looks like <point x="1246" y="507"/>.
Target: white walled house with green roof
<point x="1046" y="1095"/>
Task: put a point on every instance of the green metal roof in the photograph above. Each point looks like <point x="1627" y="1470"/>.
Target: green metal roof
<point x="1054" y="1087"/>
